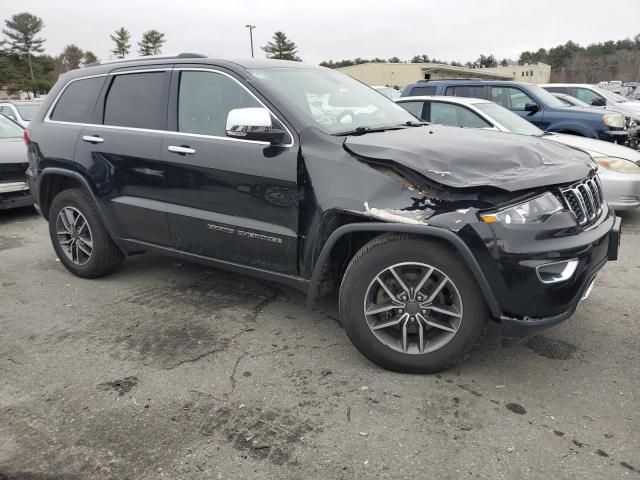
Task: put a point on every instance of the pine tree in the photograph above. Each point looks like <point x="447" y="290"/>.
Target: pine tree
<point x="89" y="57"/>
<point x="71" y="57"/>
<point x="121" y="38"/>
<point x="281" y="48"/>
<point x="420" y="59"/>
<point x="151" y="43"/>
<point x="21" y="30"/>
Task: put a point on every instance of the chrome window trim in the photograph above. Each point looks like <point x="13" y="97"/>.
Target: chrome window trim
<point x="47" y="118"/>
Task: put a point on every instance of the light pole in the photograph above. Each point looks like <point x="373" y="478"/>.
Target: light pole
<point x="251" y="27"/>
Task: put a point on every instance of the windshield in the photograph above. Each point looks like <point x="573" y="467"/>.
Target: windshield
<point x="573" y="101"/>
<point x="614" y="97"/>
<point x="27" y="112"/>
<point x="8" y="129"/>
<point x="509" y="120"/>
<point x="388" y="92"/>
<point x="333" y="101"/>
<point x="545" y="96"/>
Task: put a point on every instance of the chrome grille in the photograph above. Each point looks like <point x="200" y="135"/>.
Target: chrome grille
<point x="585" y="199"/>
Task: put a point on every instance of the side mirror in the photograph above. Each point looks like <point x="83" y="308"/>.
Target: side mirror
<point x="598" y="102"/>
<point x="253" y="124"/>
<point x="531" y="107"/>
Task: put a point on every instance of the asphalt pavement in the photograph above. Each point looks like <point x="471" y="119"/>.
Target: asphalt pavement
<point x="168" y="370"/>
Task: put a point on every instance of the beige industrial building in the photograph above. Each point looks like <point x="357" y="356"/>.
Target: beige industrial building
<point x="538" y="73"/>
<point x="401" y="74"/>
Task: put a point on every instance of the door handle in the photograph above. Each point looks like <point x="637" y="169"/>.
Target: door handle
<point x="92" y="139"/>
<point x="182" y="150"/>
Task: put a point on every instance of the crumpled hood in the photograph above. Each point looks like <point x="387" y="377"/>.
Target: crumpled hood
<point x="463" y="157"/>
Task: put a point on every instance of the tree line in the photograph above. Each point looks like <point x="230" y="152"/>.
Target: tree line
<point x="24" y="67"/>
<point x="610" y="60"/>
<point x="483" y="61"/>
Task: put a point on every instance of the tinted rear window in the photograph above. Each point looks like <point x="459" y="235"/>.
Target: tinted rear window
<point x="77" y="101"/>
<point x="137" y="100"/>
<point x="471" y="91"/>
<point x="556" y="89"/>
<point x="423" y="91"/>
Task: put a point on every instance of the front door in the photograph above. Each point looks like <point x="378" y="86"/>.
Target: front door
<point x="517" y="100"/>
<point x="229" y="199"/>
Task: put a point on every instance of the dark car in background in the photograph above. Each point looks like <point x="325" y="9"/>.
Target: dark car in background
<point x="14" y="191"/>
<point x="532" y="103"/>
<point x="302" y="175"/>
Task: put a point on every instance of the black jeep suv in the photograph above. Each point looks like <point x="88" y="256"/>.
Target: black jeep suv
<point x="304" y="176"/>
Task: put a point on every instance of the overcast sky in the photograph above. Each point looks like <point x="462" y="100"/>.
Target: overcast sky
<point x="336" y="29"/>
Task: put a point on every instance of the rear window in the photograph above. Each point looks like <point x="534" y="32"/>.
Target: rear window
<point x="423" y="91"/>
<point x="471" y="91"/>
<point x="137" y="100"/>
<point x="556" y="89"/>
<point x="77" y="101"/>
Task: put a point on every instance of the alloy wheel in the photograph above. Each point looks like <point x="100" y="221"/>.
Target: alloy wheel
<point x="74" y="235"/>
<point x="413" y="308"/>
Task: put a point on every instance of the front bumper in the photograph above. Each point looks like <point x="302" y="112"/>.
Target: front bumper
<point x="520" y="327"/>
<point x="622" y="190"/>
<point x="616" y="136"/>
<point x="510" y="258"/>
<point x="14" y="195"/>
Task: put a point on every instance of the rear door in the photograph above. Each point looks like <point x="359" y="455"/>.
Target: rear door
<point x="122" y="152"/>
<point x="229" y="199"/>
<point x="56" y="138"/>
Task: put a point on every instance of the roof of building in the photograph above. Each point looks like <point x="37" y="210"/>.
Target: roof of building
<point x="431" y="67"/>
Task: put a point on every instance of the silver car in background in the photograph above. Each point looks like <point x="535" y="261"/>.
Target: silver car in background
<point x="618" y="166"/>
<point x="14" y="191"/>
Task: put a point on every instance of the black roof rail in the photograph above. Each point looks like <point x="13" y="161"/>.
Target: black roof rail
<point x="148" y="57"/>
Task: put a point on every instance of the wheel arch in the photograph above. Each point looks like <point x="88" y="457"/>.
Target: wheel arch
<point x="53" y="180"/>
<point x="425" y="231"/>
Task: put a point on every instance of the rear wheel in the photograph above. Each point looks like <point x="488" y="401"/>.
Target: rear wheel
<point x="79" y="237"/>
<point x="410" y="305"/>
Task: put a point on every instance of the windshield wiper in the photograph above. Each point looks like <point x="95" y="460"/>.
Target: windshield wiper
<point x="364" y="130"/>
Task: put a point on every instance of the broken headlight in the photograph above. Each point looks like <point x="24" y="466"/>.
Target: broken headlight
<point x="536" y="210"/>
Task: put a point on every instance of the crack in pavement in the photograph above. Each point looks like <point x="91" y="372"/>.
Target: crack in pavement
<point x="251" y="316"/>
<point x="195" y="359"/>
<point x="232" y="377"/>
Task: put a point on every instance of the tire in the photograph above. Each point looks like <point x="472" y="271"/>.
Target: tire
<point x="436" y="349"/>
<point x="104" y="256"/>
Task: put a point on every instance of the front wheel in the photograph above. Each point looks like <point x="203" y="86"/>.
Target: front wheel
<point x="410" y="305"/>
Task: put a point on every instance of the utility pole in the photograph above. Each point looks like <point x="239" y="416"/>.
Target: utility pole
<point x="251" y="27"/>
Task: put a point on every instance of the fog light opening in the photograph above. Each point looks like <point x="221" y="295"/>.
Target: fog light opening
<point x="557" y="272"/>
